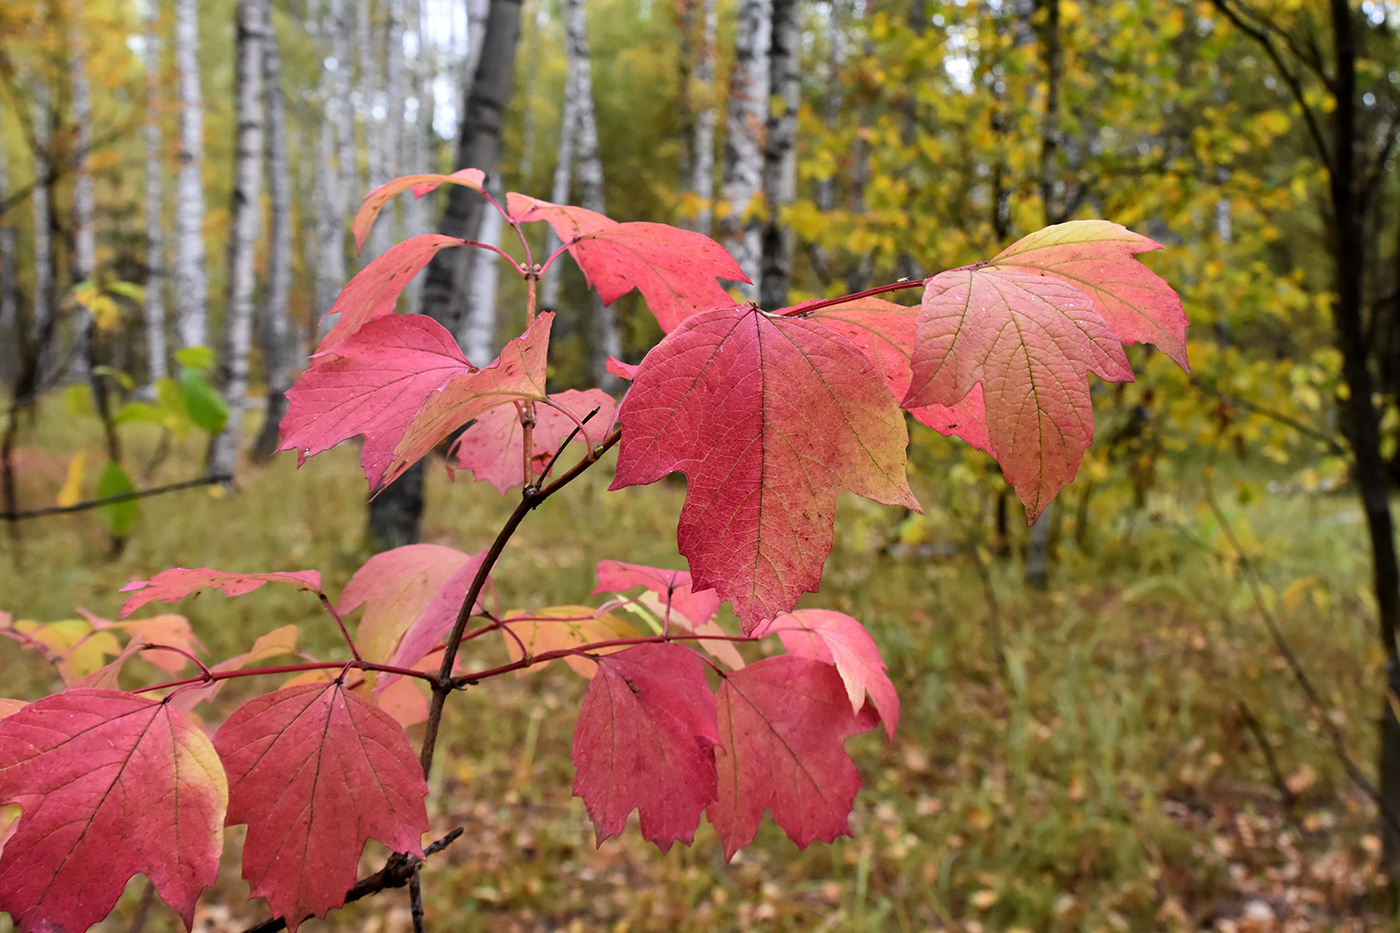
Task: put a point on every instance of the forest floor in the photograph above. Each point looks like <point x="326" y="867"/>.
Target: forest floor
<point x="1094" y="757"/>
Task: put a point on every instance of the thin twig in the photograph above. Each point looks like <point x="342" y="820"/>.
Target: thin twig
<point x="113" y="500"/>
<point x="1289" y="798"/>
<point x="415" y="899"/>
<point x="397" y="871"/>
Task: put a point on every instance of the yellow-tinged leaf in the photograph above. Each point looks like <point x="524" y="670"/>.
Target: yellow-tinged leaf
<point x="562" y="627"/>
<point x="72" y="490"/>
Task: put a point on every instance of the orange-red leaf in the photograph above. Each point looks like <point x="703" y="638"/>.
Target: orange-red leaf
<point x="493" y="446"/>
<point x="109" y="784"/>
<point x="375" y="289"/>
<point x="316" y="771"/>
<point x="374" y="202"/>
<point x="177" y="583"/>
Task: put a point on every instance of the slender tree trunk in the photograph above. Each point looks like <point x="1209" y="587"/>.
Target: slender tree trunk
<point x="702" y="98"/>
<point x="279" y="342"/>
<point x="396" y="514"/>
<point x="84" y="199"/>
<point x="243" y="234"/>
<point x="606" y="337"/>
<point x="42" y="206"/>
<point x="559" y="190"/>
<point x="780" y="153"/>
<point x="368" y="56"/>
<point x="334" y="152"/>
<point x="191" y="281"/>
<point x="478" y="335"/>
<point x="154" y="300"/>
<point x="745" y="128"/>
<point x="415" y="141"/>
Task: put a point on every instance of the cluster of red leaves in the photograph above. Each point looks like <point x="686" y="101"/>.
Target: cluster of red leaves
<point x="769" y="414"/>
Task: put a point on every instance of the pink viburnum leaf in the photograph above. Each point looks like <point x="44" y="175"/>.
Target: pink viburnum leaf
<point x="518" y="374"/>
<point x="435" y="621"/>
<point x="375" y="289"/>
<point x="372" y="383"/>
<point x="316" y="771"/>
<point x="177" y="583"/>
<point x="109" y="784"/>
<point x="672" y="586"/>
<point x="835" y="638"/>
<point x="675" y="270"/>
<point x="625" y="371"/>
<point x="374" y="202"/>
<point x="493" y="447"/>
<point x="1097" y="258"/>
<point x="395" y="587"/>
<point x="885" y="333"/>
<point x="644" y="742"/>
<point x="783" y="724"/>
<point x="1030" y="341"/>
<point x="769" y="418"/>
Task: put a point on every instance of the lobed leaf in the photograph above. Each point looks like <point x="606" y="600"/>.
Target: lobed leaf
<point x="375" y="200"/>
<point x="783" y="723"/>
<point x="175" y="584"/>
<point x="374" y="291"/>
<point x="769" y="418"/>
<point x="109" y="784"/>
<point x="316" y="771"/>
<point x="644" y="742"/>
<point x="493" y="447"/>
<point x="1029" y="341"/>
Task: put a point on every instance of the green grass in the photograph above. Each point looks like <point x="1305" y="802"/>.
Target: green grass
<point x="1071" y="760"/>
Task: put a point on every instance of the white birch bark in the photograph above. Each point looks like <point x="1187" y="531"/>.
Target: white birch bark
<point x="367" y="104"/>
<point x="606" y="337"/>
<point x="780" y="152"/>
<point x="279" y="342"/>
<point x="745" y="128"/>
<point x="342" y="78"/>
<point x="478" y="334"/>
<point x="42" y="206"/>
<point x="384" y="141"/>
<point x="191" y="280"/>
<point x="154" y="301"/>
<point x="414" y="142"/>
<point x="84" y="199"/>
<point x="559" y="188"/>
<point x="243" y="234"/>
<point x="332" y="181"/>
<point x="702" y="163"/>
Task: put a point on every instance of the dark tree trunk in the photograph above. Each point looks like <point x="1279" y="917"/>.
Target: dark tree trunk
<point x="780" y="154"/>
<point x="395" y="515"/>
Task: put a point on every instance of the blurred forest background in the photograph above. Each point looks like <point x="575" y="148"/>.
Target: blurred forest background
<point x="1149" y="710"/>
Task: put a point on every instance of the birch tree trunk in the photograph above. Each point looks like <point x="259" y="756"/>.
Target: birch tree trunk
<point x="332" y="147"/>
<point x="702" y="97"/>
<point x="606" y="337"/>
<point x="279" y="342"/>
<point x="191" y="281"/>
<point x="42" y="206"/>
<point x="368" y="56"/>
<point x="154" y="300"/>
<point x="780" y="153"/>
<point x="84" y="200"/>
<point x="384" y="153"/>
<point x="559" y="189"/>
<point x="243" y="234"/>
<point x="396" y="514"/>
<point x="745" y="127"/>
<point x="415" y="146"/>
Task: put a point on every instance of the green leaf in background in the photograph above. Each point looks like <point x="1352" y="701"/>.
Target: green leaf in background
<point x="123" y="379"/>
<point x="197" y="358"/>
<point x="77" y="400"/>
<point x="119" y="516"/>
<point x="206" y="407"/>
<point x="134" y="412"/>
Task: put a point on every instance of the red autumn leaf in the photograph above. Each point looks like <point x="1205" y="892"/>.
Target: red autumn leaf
<point x="175" y="584"/>
<point x="675" y="270"/>
<point x="372" y="383"/>
<point x="625" y="371"/>
<point x="316" y="771"/>
<point x="395" y="587"/>
<point x="517" y="374"/>
<point x="374" y="202"/>
<point x="769" y="418"/>
<point x="109" y="784"/>
<point x="783" y="724"/>
<point x="1096" y="257"/>
<point x="644" y="742"/>
<point x="672" y="586"/>
<point x="375" y="290"/>
<point x="1030" y="341"/>
<point x="493" y="447"/>
<point x="885" y="333"/>
<point x="835" y="638"/>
